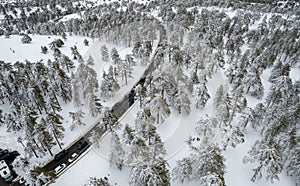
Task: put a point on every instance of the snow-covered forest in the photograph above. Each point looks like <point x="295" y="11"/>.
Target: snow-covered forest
<point x="225" y="72"/>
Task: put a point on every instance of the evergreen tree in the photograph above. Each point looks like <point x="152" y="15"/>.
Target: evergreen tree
<point x="182" y="103"/>
<point x="95" y="138"/>
<point x="268" y="157"/>
<point x="128" y="135"/>
<point x="159" y="109"/>
<point x="53" y="121"/>
<point x="253" y="84"/>
<point x="76" y="118"/>
<point x="204" y="127"/>
<point x="183" y="170"/>
<point x="117" y="152"/>
<point x="110" y="120"/>
<point x="45" y="138"/>
<point x="104" y="53"/>
<point x="150" y="174"/>
<point x="202" y="95"/>
<point x="26" y="39"/>
<point x="231" y="136"/>
<point x="93" y="181"/>
<point x="115" y="57"/>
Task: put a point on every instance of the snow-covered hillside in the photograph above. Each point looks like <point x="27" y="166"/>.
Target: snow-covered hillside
<point x="220" y="108"/>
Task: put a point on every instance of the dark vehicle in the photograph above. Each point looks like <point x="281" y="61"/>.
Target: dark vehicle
<point x="9" y="157"/>
<point x="3" y="152"/>
<point x="81" y="144"/>
<point x="60" y="155"/>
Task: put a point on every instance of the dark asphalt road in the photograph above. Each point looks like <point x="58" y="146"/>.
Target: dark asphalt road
<point x="119" y="108"/>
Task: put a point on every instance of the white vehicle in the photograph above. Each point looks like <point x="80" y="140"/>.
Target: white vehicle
<point x="59" y="168"/>
<point x="72" y="157"/>
<point x="5" y="171"/>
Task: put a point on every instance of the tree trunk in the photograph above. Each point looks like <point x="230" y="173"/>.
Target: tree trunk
<point x="56" y="139"/>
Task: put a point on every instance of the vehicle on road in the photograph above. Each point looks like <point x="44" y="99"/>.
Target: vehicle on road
<point x="59" y="168"/>
<point x="61" y="154"/>
<point x="81" y="144"/>
<point x="22" y="181"/>
<point x="5" y="171"/>
<point x="72" y="157"/>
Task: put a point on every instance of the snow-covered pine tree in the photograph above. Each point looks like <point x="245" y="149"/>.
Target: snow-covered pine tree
<point x="110" y="120"/>
<point x="182" y="103"/>
<point x="232" y="136"/>
<point x="90" y="61"/>
<point x="54" y="122"/>
<point x="207" y="160"/>
<point x="222" y="104"/>
<point x="183" y="170"/>
<point x="95" y="138"/>
<point x="140" y="93"/>
<point x="93" y="181"/>
<point x="252" y="83"/>
<point x="268" y="157"/>
<point x="137" y="151"/>
<point x="76" y="118"/>
<point x="202" y="95"/>
<point x="104" y="53"/>
<point x="45" y="138"/>
<point x="26" y="39"/>
<point x="1" y="117"/>
<point x="205" y="126"/>
<point x="66" y="63"/>
<point x="293" y="164"/>
<point x="143" y="120"/>
<point x="128" y="135"/>
<point x="116" y="152"/>
<point x="159" y="109"/>
<point x="114" y="55"/>
<point x="150" y="174"/>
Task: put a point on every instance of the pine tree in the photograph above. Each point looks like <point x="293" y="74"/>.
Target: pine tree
<point x="207" y="160"/>
<point x="26" y="39"/>
<point x="45" y="138"/>
<point x="222" y="103"/>
<point x="159" y="109"/>
<point x="294" y="163"/>
<point x="117" y="152"/>
<point x="76" y="118"/>
<point x="182" y="103"/>
<point x="55" y="124"/>
<point x="128" y="135"/>
<point x="150" y="174"/>
<point x="90" y="61"/>
<point x="93" y="181"/>
<point x="269" y="158"/>
<point x="202" y="95"/>
<point x="115" y="57"/>
<point x="253" y="84"/>
<point x="232" y="136"/>
<point x="204" y="127"/>
<point x="110" y="120"/>
<point x="95" y="138"/>
<point x="183" y="170"/>
<point x="104" y="53"/>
